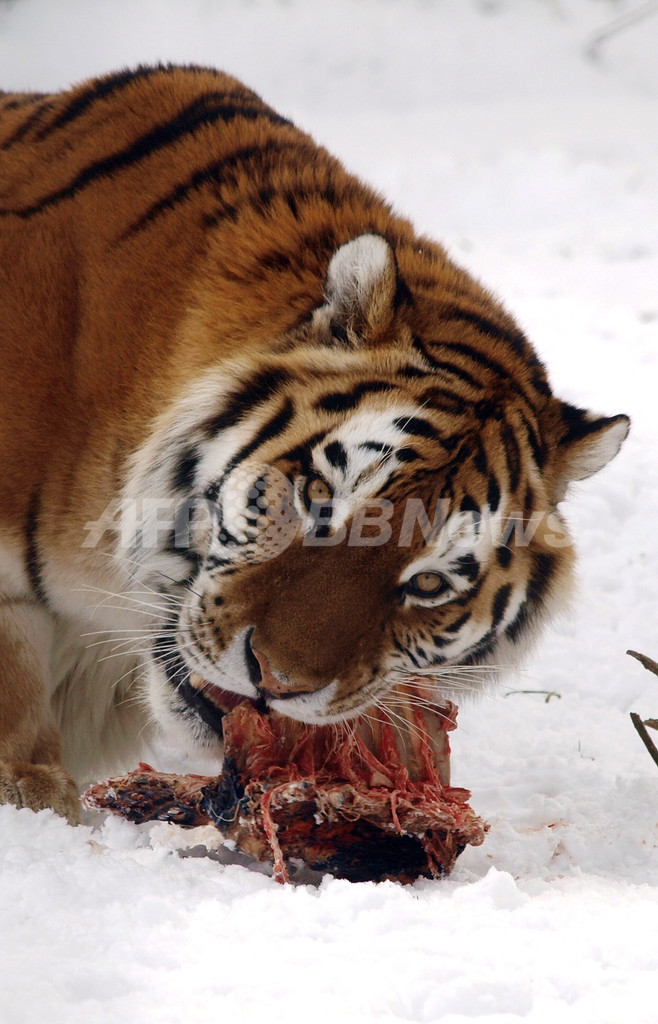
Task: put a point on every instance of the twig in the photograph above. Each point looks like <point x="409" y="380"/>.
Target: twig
<point x="644" y="736"/>
<point x="649" y="663"/>
<point x="651" y="666"/>
<point x="618" y="25"/>
<point x="548" y="693"/>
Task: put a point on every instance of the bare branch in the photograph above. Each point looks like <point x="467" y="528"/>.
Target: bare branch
<point x="649" y="663"/>
<point x="619" y="25"/>
<point x="644" y="736"/>
<point x="547" y="693"/>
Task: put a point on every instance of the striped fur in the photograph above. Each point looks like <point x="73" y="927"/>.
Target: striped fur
<point x="205" y="321"/>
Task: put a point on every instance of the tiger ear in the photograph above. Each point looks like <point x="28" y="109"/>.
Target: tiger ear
<point x="587" y="443"/>
<point x="360" y="289"/>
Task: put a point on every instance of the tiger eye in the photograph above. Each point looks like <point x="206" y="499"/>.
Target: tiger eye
<point x="317" y="492"/>
<point x="427" y="584"/>
<point x="427" y="580"/>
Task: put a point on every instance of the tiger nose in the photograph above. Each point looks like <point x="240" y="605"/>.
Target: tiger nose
<point x="271" y="685"/>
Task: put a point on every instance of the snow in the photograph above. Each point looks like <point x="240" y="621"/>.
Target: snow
<point x="537" y="165"/>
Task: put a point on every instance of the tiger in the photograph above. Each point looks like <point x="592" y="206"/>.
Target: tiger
<point x="259" y="438"/>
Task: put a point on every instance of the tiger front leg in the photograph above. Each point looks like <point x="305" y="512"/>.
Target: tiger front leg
<point x="31" y="774"/>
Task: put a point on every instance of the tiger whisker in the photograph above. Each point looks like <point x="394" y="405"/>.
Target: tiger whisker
<point x="122" y="559"/>
<point x="110" y="634"/>
<point x="408" y="726"/>
<point x="135" y="668"/>
<point x="117" y="644"/>
<point x="132" y="599"/>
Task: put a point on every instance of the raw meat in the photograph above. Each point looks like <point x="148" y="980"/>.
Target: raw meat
<point x="363" y="800"/>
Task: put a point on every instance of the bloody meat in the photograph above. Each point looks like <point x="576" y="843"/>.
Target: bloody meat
<point x="363" y="800"/>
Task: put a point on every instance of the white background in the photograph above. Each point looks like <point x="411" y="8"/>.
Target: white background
<point x="497" y="130"/>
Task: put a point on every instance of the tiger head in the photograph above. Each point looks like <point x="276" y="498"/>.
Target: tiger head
<point x="373" y="498"/>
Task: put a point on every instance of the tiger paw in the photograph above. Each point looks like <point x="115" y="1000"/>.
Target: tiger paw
<point x="39" y="786"/>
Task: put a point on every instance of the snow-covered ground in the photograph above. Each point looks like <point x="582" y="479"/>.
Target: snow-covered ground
<point x="488" y="123"/>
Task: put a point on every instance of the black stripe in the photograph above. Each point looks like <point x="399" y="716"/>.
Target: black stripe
<point x="492" y="365"/>
<point x="320" y="239"/>
<point x="480" y="460"/>
<point x="493" y="494"/>
<point x="216" y="173"/>
<point x="467" y="566"/>
<point x="32" y="556"/>
<point x="537" y="446"/>
<point x="405" y="651"/>
<point x="391" y="480"/>
<point x="444" y="400"/>
<point x="521" y="623"/>
<point x="15" y="101"/>
<point x="202" y="111"/>
<point x="179" y="541"/>
<point x="253" y="664"/>
<point x="227" y="539"/>
<point x="177" y="544"/>
<point x="528" y="503"/>
<point x="336" y="455"/>
<point x="471" y="594"/>
<point x="446" y="366"/>
<point x="513" y="456"/>
<point x="412" y="372"/>
<point x="499" y="605"/>
<point x="469" y="504"/>
<point x="185" y="468"/>
<point x="540" y="383"/>
<point x="504" y="556"/>
<point x="456" y="626"/>
<point x="226" y="210"/>
<point x="275" y="426"/>
<point x="482" y="649"/>
<point x="340" y="334"/>
<point x="100" y="88"/>
<point x="477" y="357"/>
<point x="165" y="651"/>
<point x="256" y="390"/>
<point x="341" y="401"/>
<point x="487" y="410"/>
<point x="407" y="455"/>
<point x="576" y="422"/>
<point x="215" y="562"/>
<point x="515" y="339"/>
<point x="177" y="195"/>
<point x="377" y="446"/>
<point x="416" y="426"/>
<point x="540" y="579"/>
<point x="28" y="123"/>
<point x="450" y="443"/>
<point x="210" y="220"/>
<point x="302" y="452"/>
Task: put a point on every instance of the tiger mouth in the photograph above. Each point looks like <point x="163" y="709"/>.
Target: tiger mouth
<point x="220" y="699"/>
<point x="418" y="732"/>
<point x="217" y="697"/>
<point x="209" y="707"/>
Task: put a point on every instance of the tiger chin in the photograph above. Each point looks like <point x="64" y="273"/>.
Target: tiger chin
<point x="258" y="437"/>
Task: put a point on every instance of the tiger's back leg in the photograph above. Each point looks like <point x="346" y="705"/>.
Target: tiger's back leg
<point x="31" y="774"/>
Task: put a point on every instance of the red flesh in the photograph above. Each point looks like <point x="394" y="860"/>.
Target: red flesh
<point x="312" y="792"/>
